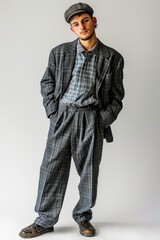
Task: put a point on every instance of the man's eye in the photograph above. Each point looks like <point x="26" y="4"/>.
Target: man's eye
<point x="86" y="20"/>
<point x="75" y="25"/>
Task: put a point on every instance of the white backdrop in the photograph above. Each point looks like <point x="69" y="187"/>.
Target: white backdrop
<point x="129" y="182"/>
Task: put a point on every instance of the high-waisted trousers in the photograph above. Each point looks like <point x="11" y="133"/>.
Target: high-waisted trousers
<point x="78" y="134"/>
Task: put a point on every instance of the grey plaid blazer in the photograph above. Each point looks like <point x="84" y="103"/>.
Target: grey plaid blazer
<point x="109" y="81"/>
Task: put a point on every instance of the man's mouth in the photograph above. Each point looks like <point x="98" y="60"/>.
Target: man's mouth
<point x="84" y="32"/>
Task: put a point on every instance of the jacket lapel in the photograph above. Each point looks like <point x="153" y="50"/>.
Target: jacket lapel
<point x="68" y="64"/>
<point x="103" y="62"/>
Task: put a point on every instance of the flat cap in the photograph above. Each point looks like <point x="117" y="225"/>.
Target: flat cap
<point x="77" y="8"/>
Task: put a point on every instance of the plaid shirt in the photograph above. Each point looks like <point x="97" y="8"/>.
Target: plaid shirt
<point x="81" y="88"/>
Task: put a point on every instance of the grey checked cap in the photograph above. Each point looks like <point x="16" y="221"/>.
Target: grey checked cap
<point x="77" y="8"/>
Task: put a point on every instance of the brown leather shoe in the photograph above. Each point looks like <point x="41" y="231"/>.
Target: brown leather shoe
<point x="86" y="229"/>
<point x="34" y="230"/>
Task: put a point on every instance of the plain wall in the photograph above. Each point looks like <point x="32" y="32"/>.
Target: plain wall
<point x="129" y="181"/>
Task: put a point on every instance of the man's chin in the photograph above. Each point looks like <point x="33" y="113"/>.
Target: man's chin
<point x="85" y="38"/>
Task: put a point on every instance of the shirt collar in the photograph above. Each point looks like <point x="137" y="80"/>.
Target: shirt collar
<point x="81" y="49"/>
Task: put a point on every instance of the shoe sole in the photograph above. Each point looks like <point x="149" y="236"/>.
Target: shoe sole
<point x="88" y="235"/>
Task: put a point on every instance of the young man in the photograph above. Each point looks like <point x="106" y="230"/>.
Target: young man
<point x="82" y="91"/>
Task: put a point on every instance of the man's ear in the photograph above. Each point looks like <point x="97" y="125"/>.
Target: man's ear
<point x="94" y="19"/>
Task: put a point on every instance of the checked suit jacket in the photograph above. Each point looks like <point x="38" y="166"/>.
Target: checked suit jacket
<point x="108" y="90"/>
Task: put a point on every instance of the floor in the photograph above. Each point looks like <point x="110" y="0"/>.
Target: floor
<point x="105" y="231"/>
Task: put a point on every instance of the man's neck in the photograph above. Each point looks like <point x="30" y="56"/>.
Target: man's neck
<point x="89" y="44"/>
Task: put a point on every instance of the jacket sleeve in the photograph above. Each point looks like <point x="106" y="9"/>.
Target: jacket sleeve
<point x="48" y="86"/>
<point x="116" y="94"/>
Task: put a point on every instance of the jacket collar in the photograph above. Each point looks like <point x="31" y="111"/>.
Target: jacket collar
<point x="102" y="51"/>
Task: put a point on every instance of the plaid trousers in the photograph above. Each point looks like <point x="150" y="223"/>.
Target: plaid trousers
<point x="76" y="133"/>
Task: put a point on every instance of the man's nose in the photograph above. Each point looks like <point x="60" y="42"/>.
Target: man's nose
<point x="82" y="26"/>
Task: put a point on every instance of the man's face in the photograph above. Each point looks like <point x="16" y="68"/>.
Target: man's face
<point x="83" y="26"/>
